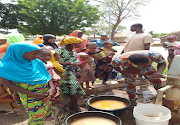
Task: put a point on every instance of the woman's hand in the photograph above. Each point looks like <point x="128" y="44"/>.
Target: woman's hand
<point x="156" y="75"/>
<point x="50" y="92"/>
<point x="78" y="76"/>
<point x="75" y="64"/>
<point x="65" y="77"/>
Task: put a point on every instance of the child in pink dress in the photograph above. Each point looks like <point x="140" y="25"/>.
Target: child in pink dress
<point x="45" y="56"/>
<point x="86" y="74"/>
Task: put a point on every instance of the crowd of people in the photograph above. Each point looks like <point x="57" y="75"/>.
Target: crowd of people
<point x="42" y="71"/>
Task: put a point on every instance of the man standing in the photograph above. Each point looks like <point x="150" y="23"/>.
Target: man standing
<point x="139" y="40"/>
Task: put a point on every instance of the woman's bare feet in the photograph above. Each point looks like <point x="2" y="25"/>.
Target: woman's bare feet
<point x="78" y="108"/>
<point x="89" y="86"/>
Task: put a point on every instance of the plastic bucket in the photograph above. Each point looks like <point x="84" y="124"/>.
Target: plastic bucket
<point x="141" y="113"/>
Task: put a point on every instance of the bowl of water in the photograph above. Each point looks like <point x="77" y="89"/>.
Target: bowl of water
<point x="93" y="118"/>
<point x="109" y="103"/>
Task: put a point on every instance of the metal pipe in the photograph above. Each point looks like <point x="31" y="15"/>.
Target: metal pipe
<point x="109" y="20"/>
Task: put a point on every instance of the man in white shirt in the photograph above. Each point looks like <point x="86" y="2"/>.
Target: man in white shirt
<point x="139" y="40"/>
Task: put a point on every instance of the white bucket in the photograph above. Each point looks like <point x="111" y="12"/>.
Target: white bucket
<point x="141" y="113"/>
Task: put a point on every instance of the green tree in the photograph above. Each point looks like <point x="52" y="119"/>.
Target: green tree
<point x="157" y="34"/>
<point x="8" y="16"/>
<point x="56" y="16"/>
<point x="122" y="10"/>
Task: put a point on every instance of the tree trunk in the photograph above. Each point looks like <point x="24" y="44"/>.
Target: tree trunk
<point x="114" y="29"/>
<point x="116" y="25"/>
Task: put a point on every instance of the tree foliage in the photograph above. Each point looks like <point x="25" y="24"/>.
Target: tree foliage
<point x="8" y="16"/>
<point x="56" y="16"/>
<point x="157" y="34"/>
<point x="122" y="10"/>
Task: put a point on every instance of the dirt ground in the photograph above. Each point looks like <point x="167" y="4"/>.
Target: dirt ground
<point x="126" y="118"/>
<point x="147" y="96"/>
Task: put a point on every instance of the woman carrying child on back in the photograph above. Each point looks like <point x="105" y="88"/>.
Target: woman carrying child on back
<point x="68" y="58"/>
<point x="33" y="82"/>
<point x="86" y="74"/>
<point x="103" y="63"/>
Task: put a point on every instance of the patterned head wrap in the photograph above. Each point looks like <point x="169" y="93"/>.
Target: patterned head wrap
<point x="70" y="40"/>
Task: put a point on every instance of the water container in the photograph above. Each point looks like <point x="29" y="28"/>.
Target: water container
<point x="174" y="70"/>
<point x="141" y="113"/>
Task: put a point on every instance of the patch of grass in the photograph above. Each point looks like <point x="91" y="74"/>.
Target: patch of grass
<point x="165" y="70"/>
<point x="98" y="81"/>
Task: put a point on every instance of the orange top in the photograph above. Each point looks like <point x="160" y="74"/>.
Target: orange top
<point x="84" y="41"/>
<point x="4" y="47"/>
<point x="38" y="40"/>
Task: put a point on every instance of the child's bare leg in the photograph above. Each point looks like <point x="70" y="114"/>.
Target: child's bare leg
<point x="92" y="83"/>
<point x="82" y="86"/>
<point x="88" y="85"/>
<point x="104" y="83"/>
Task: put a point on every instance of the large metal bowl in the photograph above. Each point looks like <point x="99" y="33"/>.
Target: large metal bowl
<point x="80" y="115"/>
<point x="109" y="97"/>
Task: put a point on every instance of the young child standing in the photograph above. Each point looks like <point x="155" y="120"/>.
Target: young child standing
<point x="45" y="56"/>
<point x="86" y="74"/>
<point x="33" y="82"/>
<point x="107" y="48"/>
<point x="58" y="68"/>
<point x="170" y="44"/>
<point x="103" y="66"/>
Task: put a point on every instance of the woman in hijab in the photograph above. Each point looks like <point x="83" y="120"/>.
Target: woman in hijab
<point x="49" y="40"/>
<point x="79" y="34"/>
<point x="68" y="58"/>
<point x="9" y="98"/>
<point x="32" y="80"/>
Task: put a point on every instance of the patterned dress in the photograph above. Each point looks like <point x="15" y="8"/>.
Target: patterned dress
<point x="38" y="109"/>
<point x="129" y="67"/>
<point x="70" y="85"/>
<point x="86" y="74"/>
<point x="103" y="67"/>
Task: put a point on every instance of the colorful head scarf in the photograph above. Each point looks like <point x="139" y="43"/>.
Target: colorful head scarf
<point x="70" y="40"/>
<point x="79" y="56"/>
<point x="55" y="63"/>
<point x="38" y="40"/>
<point x="75" y="33"/>
<point x="14" y="38"/>
<point x="46" y="38"/>
<point x="15" y="68"/>
<point x="84" y="41"/>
